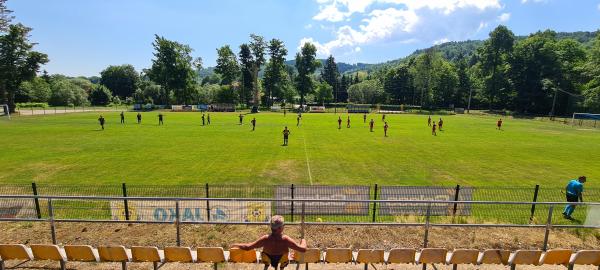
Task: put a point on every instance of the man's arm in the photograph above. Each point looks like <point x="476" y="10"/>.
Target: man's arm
<point x="249" y="246"/>
<point x="292" y="244"/>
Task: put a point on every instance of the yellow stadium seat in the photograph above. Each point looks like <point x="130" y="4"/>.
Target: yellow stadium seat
<point x="526" y="257"/>
<point x="211" y="255"/>
<point x="369" y="256"/>
<point x="115" y="254"/>
<point x="462" y="256"/>
<point x="147" y="254"/>
<point x="237" y="255"/>
<point x="585" y="257"/>
<point x="402" y="256"/>
<point x="10" y="252"/>
<point x="338" y="255"/>
<point x="82" y="253"/>
<point x="556" y="256"/>
<point x="49" y="253"/>
<point x="312" y="255"/>
<point x="432" y="255"/>
<point x="179" y="254"/>
<point x="494" y="256"/>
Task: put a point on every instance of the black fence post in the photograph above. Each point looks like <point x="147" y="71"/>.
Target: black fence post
<point x="36" y="201"/>
<point x="292" y="205"/>
<point x="456" y="191"/>
<point x="535" y="195"/>
<point x="207" y="202"/>
<point x="375" y="203"/>
<point x="124" y="187"/>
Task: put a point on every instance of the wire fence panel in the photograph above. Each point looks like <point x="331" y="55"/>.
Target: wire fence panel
<point x="364" y="211"/>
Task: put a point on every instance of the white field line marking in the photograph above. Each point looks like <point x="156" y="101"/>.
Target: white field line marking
<point x="306" y="155"/>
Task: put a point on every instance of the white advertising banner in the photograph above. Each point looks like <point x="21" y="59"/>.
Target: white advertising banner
<point x="193" y="211"/>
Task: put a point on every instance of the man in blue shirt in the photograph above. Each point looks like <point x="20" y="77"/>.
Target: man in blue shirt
<point x="574" y="194"/>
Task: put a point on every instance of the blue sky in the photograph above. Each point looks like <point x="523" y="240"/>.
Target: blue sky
<point x="84" y="37"/>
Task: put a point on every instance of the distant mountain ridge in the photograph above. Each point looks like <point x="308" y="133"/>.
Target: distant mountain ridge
<point x="450" y="50"/>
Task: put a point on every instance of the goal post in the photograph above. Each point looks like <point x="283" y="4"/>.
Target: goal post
<point x="5" y="110"/>
<point x="585" y="116"/>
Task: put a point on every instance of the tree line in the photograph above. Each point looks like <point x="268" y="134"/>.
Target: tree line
<point x="539" y="74"/>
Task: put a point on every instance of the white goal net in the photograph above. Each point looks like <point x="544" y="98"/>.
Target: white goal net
<point x="4" y="111"/>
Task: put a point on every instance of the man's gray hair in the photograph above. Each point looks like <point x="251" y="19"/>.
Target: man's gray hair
<point x="276" y="222"/>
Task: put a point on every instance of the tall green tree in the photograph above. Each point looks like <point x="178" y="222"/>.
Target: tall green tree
<point x="493" y="56"/>
<point x="535" y="72"/>
<point x="343" y="93"/>
<point x="465" y="86"/>
<point x="18" y="62"/>
<point x="275" y="71"/>
<point x="444" y="88"/>
<point x="591" y="93"/>
<point x="100" y="96"/>
<point x="367" y="92"/>
<point x="306" y="64"/>
<point x="120" y="80"/>
<point x="331" y="75"/>
<point x="398" y="83"/>
<point x="423" y="72"/>
<point x="324" y="92"/>
<point x="35" y="90"/>
<point x="5" y="17"/>
<point x="172" y="68"/>
<point x="246" y="63"/>
<point x="227" y="65"/>
<point x="257" y="47"/>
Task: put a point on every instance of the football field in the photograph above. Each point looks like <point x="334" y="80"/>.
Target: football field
<point x="470" y="151"/>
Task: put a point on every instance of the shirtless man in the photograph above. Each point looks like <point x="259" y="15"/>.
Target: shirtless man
<point x="275" y="245"/>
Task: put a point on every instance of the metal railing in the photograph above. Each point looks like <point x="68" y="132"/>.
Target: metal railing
<point x="424" y="213"/>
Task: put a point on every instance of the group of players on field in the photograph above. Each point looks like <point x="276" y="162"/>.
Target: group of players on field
<point x="286" y="132"/>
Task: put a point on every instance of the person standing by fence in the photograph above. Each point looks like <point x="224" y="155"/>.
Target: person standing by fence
<point x="574" y="190"/>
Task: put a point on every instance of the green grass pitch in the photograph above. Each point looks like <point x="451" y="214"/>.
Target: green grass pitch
<point x="71" y="149"/>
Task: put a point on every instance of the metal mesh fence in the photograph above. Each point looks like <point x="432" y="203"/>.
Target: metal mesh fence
<point x="258" y="211"/>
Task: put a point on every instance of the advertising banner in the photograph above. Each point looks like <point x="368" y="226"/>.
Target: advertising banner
<point x="193" y="211"/>
<point x="425" y="194"/>
<point x="17" y="208"/>
<point x="323" y="192"/>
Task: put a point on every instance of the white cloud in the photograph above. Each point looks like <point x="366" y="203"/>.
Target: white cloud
<point x="504" y="17"/>
<point x="534" y="1"/>
<point x="440" y="41"/>
<point x="403" y="21"/>
<point x="308" y="26"/>
<point x="330" y="9"/>
<point x="598" y="6"/>
<point x="482" y="25"/>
